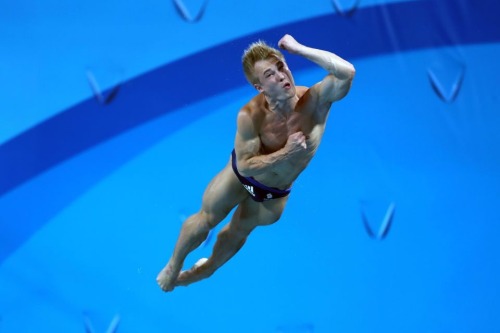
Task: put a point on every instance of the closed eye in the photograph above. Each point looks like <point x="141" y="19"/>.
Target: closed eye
<point x="269" y="74"/>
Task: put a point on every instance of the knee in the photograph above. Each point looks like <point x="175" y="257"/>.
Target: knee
<point x="277" y="215"/>
<point x="234" y="233"/>
<point x="272" y="216"/>
<point x="210" y="219"/>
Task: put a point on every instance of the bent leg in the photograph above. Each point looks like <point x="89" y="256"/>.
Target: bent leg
<point x="232" y="237"/>
<point x="222" y="194"/>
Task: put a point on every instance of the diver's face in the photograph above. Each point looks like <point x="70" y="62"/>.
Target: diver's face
<point x="275" y="79"/>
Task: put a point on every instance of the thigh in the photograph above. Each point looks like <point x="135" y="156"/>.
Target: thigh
<point x="270" y="211"/>
<point x="223" y="193"/>
<point x="251" y="214"/>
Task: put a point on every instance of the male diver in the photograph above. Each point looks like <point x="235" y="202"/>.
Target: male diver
<point x="278" y="133"/>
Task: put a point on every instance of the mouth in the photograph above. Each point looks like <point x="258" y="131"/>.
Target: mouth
<point x="287" y="85"/>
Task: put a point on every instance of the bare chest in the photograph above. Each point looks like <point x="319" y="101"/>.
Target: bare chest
<point x="275" y="131"/>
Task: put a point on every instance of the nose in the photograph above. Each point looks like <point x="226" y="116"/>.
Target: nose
<point x="281" y="76"/>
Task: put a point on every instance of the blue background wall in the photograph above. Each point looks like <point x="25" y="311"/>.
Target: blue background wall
<point x="115" y="115"/>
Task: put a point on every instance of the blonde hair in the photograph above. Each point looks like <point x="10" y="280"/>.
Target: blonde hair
<point x="255" y="52"/>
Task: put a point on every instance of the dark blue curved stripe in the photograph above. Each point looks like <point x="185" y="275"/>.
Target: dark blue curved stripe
<point x="409" y="26"/>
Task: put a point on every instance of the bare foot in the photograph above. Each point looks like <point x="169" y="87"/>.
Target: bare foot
<point x="196" y="273"/>
<point x="167" y="277"/>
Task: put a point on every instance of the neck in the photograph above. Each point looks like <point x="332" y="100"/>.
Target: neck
<point x="283" y="107"/>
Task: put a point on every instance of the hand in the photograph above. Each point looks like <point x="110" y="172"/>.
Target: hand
<point x="289" y="43"/>
<point x="296" y="142"/>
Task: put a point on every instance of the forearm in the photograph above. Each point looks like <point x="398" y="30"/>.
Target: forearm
<point x="331" y="62"/>
<point x="260" y="164"/>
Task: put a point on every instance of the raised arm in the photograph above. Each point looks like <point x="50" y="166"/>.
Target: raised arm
<point x="247" y="146"/>
<point x="337" y="83"/>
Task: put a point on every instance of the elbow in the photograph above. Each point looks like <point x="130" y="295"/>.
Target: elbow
<point x="351" y="72"/>
<point x="347" y="74"/>
<point x="248" y="168"/>
<point x="244" y="168"/>
<point x="243" y="172"/>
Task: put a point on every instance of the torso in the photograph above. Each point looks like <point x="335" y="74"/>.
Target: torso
<point x="275" y="128"/>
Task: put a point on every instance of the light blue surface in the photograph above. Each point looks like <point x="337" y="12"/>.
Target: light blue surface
<point x="107" y="231"/>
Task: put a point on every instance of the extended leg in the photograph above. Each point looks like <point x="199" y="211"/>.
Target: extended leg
<point x="194" y="231"/>
<point x="229" y="242"/>
<point x="231" y="238"/>
<point x="223" y="193"/>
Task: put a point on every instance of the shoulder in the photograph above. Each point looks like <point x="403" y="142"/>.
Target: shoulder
<point x="306" y="94"/>
<point x="301" y="90"/>
<point x="310" y="103"/>
<point x="254" y="109"/>
<point x="251" y="114"/>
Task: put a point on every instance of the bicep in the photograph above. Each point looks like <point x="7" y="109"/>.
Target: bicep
<point x="331" y="89"/>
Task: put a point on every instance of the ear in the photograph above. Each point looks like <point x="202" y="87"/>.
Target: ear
<point x="258" y="87"/>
